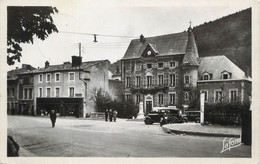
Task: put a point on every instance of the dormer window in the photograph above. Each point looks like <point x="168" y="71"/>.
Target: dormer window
<point x="226" y="75"/>
<point x="206" y="77"/>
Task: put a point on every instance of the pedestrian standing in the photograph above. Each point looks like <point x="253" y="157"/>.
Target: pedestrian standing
<point x="114" y="115"/>
<point x="53" y="117"/>
<point x="106" y="114"/>
<point x="110" y="115"/>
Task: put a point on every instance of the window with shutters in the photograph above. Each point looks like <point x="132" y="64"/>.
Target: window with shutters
<point x="25" y="95"/>
<point x="217" y="95"/>
<point x="138" y="98"/>
<point x="166" y="79"/>
<point x="138" y="80"/>
<point x="127" y="82"/>
<point x="233" y="95"/>
<point x="206" y="93"/>
<point x="128" y="97"/>
<point x="173" y="80"/>
<point x="149" y="80"/>
<point x="30" y="93"/>
<point x="172" y="98"/>
<point x="160" y="98"/>
<point x="160" y="79"/>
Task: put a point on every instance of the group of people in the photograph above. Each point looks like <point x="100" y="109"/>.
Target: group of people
<point x="111" y="115"/>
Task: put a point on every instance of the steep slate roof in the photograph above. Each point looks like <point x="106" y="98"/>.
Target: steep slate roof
<point x="191" y="54"/>
<point x="67" y="66"/>
<point x="170" y="44"/>
<point x="215" y="65"/>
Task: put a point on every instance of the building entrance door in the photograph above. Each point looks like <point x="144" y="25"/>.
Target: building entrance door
<point x="148" y="107"/>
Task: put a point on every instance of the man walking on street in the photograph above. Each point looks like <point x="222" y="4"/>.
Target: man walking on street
<point x="53" y="117"/>
<point x="110" y="115"/>
<point x="106" y="114"/>
<point x="114" y="115"/>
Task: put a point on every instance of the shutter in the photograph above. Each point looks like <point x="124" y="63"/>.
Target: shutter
<point x="164" y="99"/>
<point x="155" y="100"/>
<point x="166" y="79"/>
<point x="154" y="65"/>
<point x="144" y="66"/>
<point x="165" y="64"/>
<point x="176" y="99"/>
<point x="176" y="63"/>
<point x="153" y="80"/>
<point x="134" y="84"/>
<point x="176" y="79"/>
<point x="141" y="81"/>
<point x="144" y="81"/>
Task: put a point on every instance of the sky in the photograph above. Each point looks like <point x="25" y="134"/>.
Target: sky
<point x="124" y="20"/>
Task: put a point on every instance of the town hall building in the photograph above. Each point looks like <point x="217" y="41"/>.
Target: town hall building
<point x="166" y="71"/>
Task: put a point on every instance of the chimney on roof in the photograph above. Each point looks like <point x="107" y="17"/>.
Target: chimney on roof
<point x="47" y="64"/>
<point x="142" y="39"/>
<point x="26" y="66"/>
<point x="76" y="61"/>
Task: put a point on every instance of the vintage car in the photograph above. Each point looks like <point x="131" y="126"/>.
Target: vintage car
<point x="165" y="116"/>
<point x="193" y="116"/>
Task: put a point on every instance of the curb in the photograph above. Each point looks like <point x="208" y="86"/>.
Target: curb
<point x="168" y="130"/>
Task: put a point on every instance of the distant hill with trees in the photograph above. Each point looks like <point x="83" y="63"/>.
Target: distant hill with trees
<point x="229" y="36"/>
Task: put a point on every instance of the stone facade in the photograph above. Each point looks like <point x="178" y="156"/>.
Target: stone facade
<point x="166" y="71"/>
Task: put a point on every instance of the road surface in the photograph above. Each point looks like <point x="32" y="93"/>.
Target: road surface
<point x="96" y="138"/>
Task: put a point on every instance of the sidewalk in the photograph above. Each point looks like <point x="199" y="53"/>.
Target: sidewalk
<point x="206" y="130"/>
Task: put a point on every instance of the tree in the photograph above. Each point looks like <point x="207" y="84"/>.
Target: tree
<point x="101" y="98"/>
<point x="23" y="23"/>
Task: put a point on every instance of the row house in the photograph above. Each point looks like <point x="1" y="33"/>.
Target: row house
<point x="15" y="93"/>
<point x="166" y="70"/>
<point x="67" y="88"/>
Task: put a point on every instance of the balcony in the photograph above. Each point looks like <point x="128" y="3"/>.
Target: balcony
<point x="145" y="89"/>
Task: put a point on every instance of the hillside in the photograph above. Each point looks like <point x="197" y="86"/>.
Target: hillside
<point x="229" y="36"/>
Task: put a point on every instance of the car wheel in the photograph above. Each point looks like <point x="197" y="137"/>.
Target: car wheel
<point x="172" y="120"/>
<point x="148" y="121"/>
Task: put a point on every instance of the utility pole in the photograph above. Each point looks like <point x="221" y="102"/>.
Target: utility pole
<point x="79" y="49"/>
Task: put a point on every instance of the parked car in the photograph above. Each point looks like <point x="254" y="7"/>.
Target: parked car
<point x="165" y="116"/>
<point x="193" y="116"/>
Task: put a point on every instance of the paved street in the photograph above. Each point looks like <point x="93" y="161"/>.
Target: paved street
<point x="96" y="138"/>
